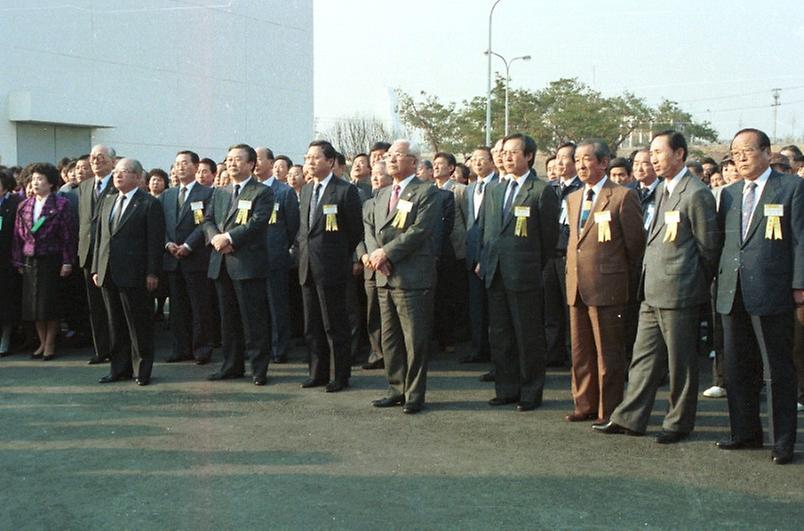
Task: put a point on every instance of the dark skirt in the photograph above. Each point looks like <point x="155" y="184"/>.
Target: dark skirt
<point x="42" y="289"/>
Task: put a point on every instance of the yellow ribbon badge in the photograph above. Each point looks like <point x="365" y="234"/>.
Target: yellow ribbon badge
<point x="243" y="206"/>
<point x="671" y="219"/>
<point x="331" y="222"/>
<point x="401" y="216"/>
<point x="773" y="226"/>
<point x="272" y="219"/>
<point x="521" y="213"/>
<point x="602" y="220"/>
<point x="198" y="216"/>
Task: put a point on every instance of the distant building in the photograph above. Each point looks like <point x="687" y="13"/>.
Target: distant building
<point x="151" y="78"/>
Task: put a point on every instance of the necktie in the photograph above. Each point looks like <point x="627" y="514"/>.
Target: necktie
<point x="233" y="207"/>
<point x="562" y="187"/>
<point x="749" y="196"/>
<point x="643" y="193"/>
<point x="182" y="196"/>
<point x="314" y="203"/>
<point x="394" y="198"/>
<point x="509" y="200"/>
<point x="480" y="187"/>
<point x="586" y="208"/>
<point x="118" y="213"/>
<point x="98" y="188"/>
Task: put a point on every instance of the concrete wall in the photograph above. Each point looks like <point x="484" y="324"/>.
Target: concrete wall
<point x="152" y="77"/>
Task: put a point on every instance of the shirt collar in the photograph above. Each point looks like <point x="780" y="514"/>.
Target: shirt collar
<point x="520" y="179"/>
<point x="651" y="187"/>
<point x="670" y="184"/>
<point x="762" y="179"/>
<point x="568" y="182"/>
<point x="129" y="194"/>
<point x="325" y="181"/>
<point x="404" y="182"/>
<point x="242" y="183"/>
<point x="269" y="181"/>
<point x="104" y="181"/>
<point x="188" y="186"/>
<point x="597" y="187"/>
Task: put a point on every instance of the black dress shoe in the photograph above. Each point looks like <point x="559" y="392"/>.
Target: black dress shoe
<point x="782" y="457"/>
<point x="610" y="428"/>
<point x="334" y="387"/>
<point x="215" y="376"/>
<point x="97" y="361"/>
<point x="487" y="377"/>
<point x="280" y="360"/>
<point x="202" y="361"/>
<point x="310" y="382"/>
<point x="377" y="364"/>
<point x="389" y="401"/>
<point x="111" y="379"/>
<point x="142" y="381"/>
<point x="527" y="406"/>
<point x="411" y="409"/>
<point x="177" y="359"/>
<point x="731" y="444"/>
<point x="474" y="358"/>
<point x="49" y="358"/>
<point x="579" y="417"/>
<point x="671" y="437"/>
<point x="497" y="401"/>
<point x="260" y="380"/>
<point x="36" y="356"/>
<point x="5" y="354"/>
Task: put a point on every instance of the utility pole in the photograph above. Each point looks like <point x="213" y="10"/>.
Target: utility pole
<point x="776" y="96"/>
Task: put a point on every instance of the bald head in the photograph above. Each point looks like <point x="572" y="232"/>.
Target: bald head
<point x="264" y="168"/>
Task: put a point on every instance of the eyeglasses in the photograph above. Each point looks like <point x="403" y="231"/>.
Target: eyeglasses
<point x="745" y="152"/>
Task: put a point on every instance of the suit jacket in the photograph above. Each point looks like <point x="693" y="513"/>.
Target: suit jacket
<point x="457" y="236"/>
<point x="88" y="209"/>
<point x="410" y="248"/>
<point x="325" y="257"/>
<point x="767" y="269"/>
<point x="519" y="260"/>
<point x="648" y="200"/>
<point x="8" y="215"/>
<point x="363" y="187"/>
<point x="282" y="233"/>
<point x="473" y="231"/>
<point x="678" y="274"/>
<point x="180" y="228"/>
<point x="442" y="244"/>
<point x="249" y="239"/>
<point x="133" y="250"/>
<point x="563" y="226"/>
<point x="56" y="236"/>
<point x="604" y="273"/>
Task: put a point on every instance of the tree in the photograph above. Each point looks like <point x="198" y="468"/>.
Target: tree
<point x="670" y="116"/>
<point x="357" y="134"/>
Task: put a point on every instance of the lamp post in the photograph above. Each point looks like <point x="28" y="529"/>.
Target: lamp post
<point x="488" y="84"/>
<point x="507" y="78"/>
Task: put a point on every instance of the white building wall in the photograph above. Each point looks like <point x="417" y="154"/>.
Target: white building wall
<point x="162" y="75"/>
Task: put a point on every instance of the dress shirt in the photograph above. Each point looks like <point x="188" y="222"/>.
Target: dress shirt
<point x="479" y="195"/>
<point x="520" y="180"/>
<point x="670" y="184"/>
<point x="596" y="189"/>
<point x="760" y="181"/>
<point x="38" y="206"/>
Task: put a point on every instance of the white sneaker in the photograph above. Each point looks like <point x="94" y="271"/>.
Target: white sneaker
<point x="715" y="392"/>
<point x="800" y="407"/>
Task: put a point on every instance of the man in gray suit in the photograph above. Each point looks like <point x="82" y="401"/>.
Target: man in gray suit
<point x="761" y="281"/>
<point x="398" y="240"/>
<point x="519" y="236"/>
<point x="683" y="245"/>
<point x="91" y="193"/>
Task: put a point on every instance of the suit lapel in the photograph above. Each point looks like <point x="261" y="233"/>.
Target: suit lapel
<point x="600" y="205"/>
<point x="521" y="197"/>
<point x="672" y="204"/>
<point x="767" y="197"/>
<point x="129" y="211"/>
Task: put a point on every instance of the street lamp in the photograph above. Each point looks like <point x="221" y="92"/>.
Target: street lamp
<point x="488" y="84"/>
<point x="507" y="78"/>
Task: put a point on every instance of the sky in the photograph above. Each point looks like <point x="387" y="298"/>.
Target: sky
<point x="718" y="59"/>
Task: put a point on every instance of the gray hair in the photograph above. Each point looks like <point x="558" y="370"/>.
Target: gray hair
<point x="106" y="149"/>
<point x="602" y="150"/>
<point x="136" y="167"/>
<point x="413" y="148"/>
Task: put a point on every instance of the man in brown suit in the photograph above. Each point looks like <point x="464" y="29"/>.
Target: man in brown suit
<point x="604" y="256"/>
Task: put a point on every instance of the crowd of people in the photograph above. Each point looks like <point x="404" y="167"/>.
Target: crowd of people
<point x="622" y="268"/>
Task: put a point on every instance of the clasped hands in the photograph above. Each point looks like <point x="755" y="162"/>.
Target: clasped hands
<point x="377" y="261"/>
<point x="222" y="244"/>
<point x="178" y="251"/>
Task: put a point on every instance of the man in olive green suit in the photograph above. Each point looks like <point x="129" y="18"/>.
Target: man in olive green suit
<point x="398" y="239"/>
<point x="519" y="224"/>
<point x="683" y="246"/>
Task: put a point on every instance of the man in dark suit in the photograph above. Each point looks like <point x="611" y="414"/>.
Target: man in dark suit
<point x="647" y="181"/>
<point x="236" y="226"/>
<point x="330" y="229"/>
<point x="399" y="240"/>
<point x="760" y="283"/>
<point x="360" y="343"/>
<point x="91" y="194"/>
<point x="483" y="166"/>
<point x="520" y="233"/>
<point x="556" y="316"/>
<point x="283" y="225"/>
<point x="186" y="259"/>
<point x="604" y="258"/>
<point x="126" y="265"/>
<point x="683" y="245"/>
